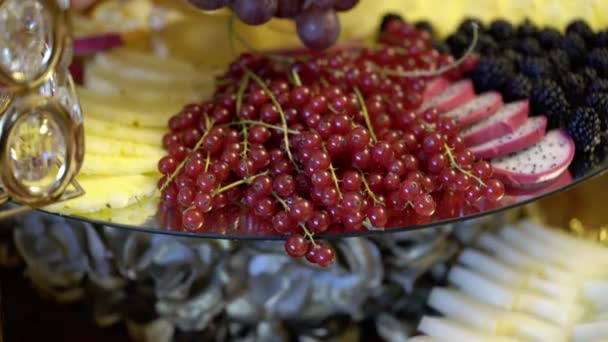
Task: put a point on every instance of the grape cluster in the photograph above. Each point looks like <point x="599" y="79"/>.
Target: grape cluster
<point x="335" y="142"/>
<point x="316" y="20"/>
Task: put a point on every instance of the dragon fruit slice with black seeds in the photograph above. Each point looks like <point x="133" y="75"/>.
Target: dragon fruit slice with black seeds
<point x="451" y="97"/>
<point x="506" y="120"/>
<point x="536" y="165"/>
<point x="434" y="87"/>
<point x="477" y="109"/>
<point x="526" y="135"/>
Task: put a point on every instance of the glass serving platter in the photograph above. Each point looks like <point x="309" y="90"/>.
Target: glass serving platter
<point x="232" y="223"/>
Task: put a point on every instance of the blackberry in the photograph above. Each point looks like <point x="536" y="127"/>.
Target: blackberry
<point x="513" y="57"/>
<point x="535" y="67"/>
<point x="598" y="85"/>
<point x="588" y="73"/>
<point x="584" y="128"/>
<point x="458" y="43"/>
<point x="442" y="47"/>
<point x="486" y="45"/>
<point x="501" y="29"/>
<point x="575" y="47"/>
<point x="579" y="27"/>
<point x="529" y="47"/>
<point x="599" y="39"/>
<point x="548" y="98"/>
<point x="527" y="29"/>
<point x="598" y="60"/>
<point x="559" y="59"/>
<point x="516" y="87"/>
<point x="575" y="85"/>
<point x="387" y="18"/>
<point x="491" y="73"/>
<point x="582" y="164"/>
<point x="425" y="25"/>
<point x="466" y="26"/>
<point x="599" y="102"/>
<point x="549" y="38"/>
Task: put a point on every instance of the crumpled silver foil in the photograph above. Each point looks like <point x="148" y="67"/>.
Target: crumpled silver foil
<point x="164" y="286"/>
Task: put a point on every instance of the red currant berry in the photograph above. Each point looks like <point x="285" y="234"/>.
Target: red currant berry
<point x="192" y="219"/>
<point x="296" y="246"/>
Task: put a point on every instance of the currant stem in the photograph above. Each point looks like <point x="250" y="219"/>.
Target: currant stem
<point x="332" y="170"/>
<point x="261" y="83"/>
<point x="455" y="165"/>
<point x="208" y="126"/>
<point x="281" y="201"/>
<point x="296" y="78"/>
<point x="369" y="191"/>
<point x="261" y="123"/>
<point x="366" y="117"/>
<point x="239" y="105"/>
<point x="246" y="180"/>
<point x="308" y="234"/>
<point x="436" y="72"/>
<point x="368" y="224"/>
<point x="207" y="161"/>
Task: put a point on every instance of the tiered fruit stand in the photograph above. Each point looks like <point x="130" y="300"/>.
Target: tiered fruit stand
<point x="133" y="252"/>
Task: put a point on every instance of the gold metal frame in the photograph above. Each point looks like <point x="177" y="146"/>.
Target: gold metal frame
<point x="15" y="82"/>
<point x="19" y="100"/>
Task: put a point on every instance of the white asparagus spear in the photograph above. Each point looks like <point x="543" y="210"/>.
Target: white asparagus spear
<point x="492" y="320"/>
<point x="596" y="293"/>
<point x="513" y="299"/>
<point x="512" y="256"/>
<point x="449" y="330"/>
<point x="574" y="262"/>
<point x="590" y="331"/>
<point x="422" y="338"/>
<point x="564" y="240"/>
<point x="503" y="273"/>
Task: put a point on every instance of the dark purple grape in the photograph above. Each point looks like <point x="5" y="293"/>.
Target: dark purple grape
<point x="345" y="5"/>
<point x="318" y="29"/>
<point x="324" y="4"/>
<point x="289" y="8"/>
<point x="209" y="5"/>
<point x="254" y="12"/>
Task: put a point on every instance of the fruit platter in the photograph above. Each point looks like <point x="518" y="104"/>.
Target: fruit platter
<point x="249" y="135"/>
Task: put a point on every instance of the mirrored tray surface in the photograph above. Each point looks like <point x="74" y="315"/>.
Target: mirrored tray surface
<point x="233" y="223"/>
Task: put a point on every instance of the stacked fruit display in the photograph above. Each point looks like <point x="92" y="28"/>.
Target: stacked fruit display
<point x="521" y="283"/>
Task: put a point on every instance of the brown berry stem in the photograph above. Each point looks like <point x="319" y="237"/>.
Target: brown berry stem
<point x="437" y="72"/>
<point x="281" y="201"/>
<point x="246" y="180"/>
<point x="448" y="152"/>
<point x="296" y="78"/>
<point x="207" y="161"/>
<point x="261" y="123"/>
<point x="239" y="105"/>
<point x="208" y="125"/>
<point x="368" y="190"/>
<point x="368" y="121"/>
<point x="332" y="170"/>
<point x="263" y="85"/>
<point x="308" y="234"/>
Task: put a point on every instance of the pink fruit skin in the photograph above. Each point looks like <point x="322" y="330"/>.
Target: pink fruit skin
<point x="480" y="113"/>
<point x="530" y="181"/>
<point x="541" y="188"/>
<point x="513" y="145"/>
<point x="434" y="87"/>
<point x="499" y="128"/>
<point x="465" y="93"/>
<point x="92" y="44"/>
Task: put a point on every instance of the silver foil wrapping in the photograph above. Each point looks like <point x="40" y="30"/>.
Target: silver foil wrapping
<point x="164" y="286"/>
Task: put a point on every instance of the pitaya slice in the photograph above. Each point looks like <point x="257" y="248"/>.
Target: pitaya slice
<point x="506" y="120"/>
<point x="451" y="97"/>
<point x="434" y="87"/>
<point x="526" y="135"/>
<point x="477" y="109"/>
<point x="538" y="164"/>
